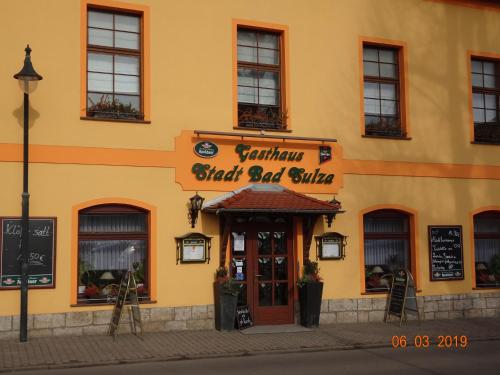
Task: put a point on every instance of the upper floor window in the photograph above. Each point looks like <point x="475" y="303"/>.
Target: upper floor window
<point x="114" y="54"/>
<point x="382" y="103"/>
<point x="486" y="100"/>
<point x="487" y="249"/>
<point x="260" y="76"/>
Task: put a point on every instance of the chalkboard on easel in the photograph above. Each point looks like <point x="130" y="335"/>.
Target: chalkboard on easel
<point x="243" y="317"/>
<point x="402" y="297"/>
<point x="446" y="252"/>
<point x="41" y="253"/>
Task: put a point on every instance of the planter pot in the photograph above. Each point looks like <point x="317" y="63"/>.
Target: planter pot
<point x="224" y="309"/>
<point x="310" y="303"/>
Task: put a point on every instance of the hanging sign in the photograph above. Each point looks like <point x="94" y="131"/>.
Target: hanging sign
<point x="446" y="252"/>
<point x="41" y="253"/>
<point x="325" y="153"/>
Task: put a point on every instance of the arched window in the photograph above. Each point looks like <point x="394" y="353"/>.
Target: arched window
<point x="386" y="246"/>
<point x="111" y="240"/>
<point x="487" y="249"/>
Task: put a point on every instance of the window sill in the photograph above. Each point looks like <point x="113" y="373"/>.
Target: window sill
<point x="109" y="304"/>
<point x="486" y="143"/>
<point x="487" y="288"/>
<point x="387" y="137"/>
<point x="263" y="129"/>
<point x="385" y="293"/>
<point x="103" y="119"/>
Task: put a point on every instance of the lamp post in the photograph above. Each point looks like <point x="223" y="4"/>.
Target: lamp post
<point x="28" y="79"/>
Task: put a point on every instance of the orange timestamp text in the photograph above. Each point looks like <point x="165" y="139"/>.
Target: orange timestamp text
<point x="425" y="341"/>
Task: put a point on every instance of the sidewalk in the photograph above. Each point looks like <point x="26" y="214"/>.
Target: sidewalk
<point x="61" y="352"/>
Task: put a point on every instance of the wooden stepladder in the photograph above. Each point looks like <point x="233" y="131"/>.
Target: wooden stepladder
<point x="128" y="287"/>
<point x="402" y="297"/>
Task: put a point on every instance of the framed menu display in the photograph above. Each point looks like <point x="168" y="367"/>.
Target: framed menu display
<point x="193" y="248"/>
<point x="330" y="245"/>
<point x="446" y="252"/>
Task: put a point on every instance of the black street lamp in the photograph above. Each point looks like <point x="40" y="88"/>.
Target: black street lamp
<point x="28" y="79"/>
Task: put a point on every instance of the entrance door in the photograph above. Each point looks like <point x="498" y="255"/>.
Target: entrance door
<point x="268" y="271"/>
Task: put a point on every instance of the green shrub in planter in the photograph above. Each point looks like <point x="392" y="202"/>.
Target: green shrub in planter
<point x="310" y="294"/>
<point x="225" y="300"/>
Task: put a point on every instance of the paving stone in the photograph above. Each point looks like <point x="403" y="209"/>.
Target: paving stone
<point x="472" y="313"/>
<point x="445" y="306"/>
<point x="68" y="331"/>
<point x="162" y="313"/>
<point x="429" y="316"/>
<point x="363" y="316"/>
<point x="463" y="304"/>
<point x="456" y="314"/>
<point x="327" y="318"/>
<point x="96" y="330"/>
<point x="79" y="319"/>
<point x="44" y="321"/>
<point x="493" y="303"/>
<point x="376" y="316"/>
<point x="15" y="322"/>
<point x="5" y="323"/>
<point x="379" y="303"/>
<point x="176" y="325"/>
<point x="442" y="315"/>
<point x="202" y="324"/>
<point x="102" y="317"/>
<point x="199" y="312"/>
<point x="430" y="306"/>
<point x="347" y="317"/>
<point x="365" y="304"/>
<point x="342" y="305"/>
<point x="157" y="326"/>
<point x="39" y="333"/>
<point x="324" y="305"/>
<point x="479" y="303"/>
<point x="489" y="313"/>
<point x="183" y="313"/>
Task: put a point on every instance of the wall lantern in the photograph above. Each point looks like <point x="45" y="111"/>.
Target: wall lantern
<point x="195" y="204"/>
<point x="331" y="216"/>
<point x="330" y="245"/>
<point x="28" y="79"/>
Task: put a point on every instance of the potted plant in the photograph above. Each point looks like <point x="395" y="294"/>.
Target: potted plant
<point x="225" y="301"/>
<point x="310" y="292"/>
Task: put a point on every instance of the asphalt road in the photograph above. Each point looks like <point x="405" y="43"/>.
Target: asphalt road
<point x="480" y="357"/>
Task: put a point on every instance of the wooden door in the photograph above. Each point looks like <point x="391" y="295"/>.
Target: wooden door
<point x="264" y="253"/>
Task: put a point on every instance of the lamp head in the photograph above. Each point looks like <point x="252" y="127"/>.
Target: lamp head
<point x="28" y="78"/>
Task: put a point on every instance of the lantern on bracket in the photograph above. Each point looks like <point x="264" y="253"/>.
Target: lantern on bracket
<point x="329" y="217"/>
<point x="195" y="204"/>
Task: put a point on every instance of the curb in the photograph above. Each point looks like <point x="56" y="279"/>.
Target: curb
<point x="355" y="346"/>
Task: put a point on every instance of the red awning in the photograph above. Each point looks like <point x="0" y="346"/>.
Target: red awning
<point x="269" y="198"/>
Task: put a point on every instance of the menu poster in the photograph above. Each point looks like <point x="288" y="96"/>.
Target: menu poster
<point x="446" y="252"/>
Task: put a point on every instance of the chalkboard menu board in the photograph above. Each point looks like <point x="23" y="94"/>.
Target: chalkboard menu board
<point x="398" y="293"/>
<point x="243" y="317"/>
<point x="41" y="254"/>
<point x="446" y="252"/>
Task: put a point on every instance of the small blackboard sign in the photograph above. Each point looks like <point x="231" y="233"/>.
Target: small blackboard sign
<point x="243" y="317"/>
<point x="402" y="297"/>
<point x="41" y="253"/>
<point x="398" y="293"/>
<point x="446" y="252"/>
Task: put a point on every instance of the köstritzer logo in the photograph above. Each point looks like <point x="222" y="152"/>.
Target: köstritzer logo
<point x="206" y="149"/>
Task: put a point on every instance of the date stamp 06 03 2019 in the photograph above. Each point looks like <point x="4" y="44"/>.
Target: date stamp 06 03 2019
<point x="424" y="341"/>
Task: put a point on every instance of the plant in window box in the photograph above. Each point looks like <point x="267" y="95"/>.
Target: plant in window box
<point x="225" y="299"/>
<point x="112" y="108"/>
<point x="495" y="266"/>
<point x="310" y="293"/>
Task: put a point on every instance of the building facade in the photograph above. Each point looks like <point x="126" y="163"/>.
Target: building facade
<point x="268" y="110"/>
